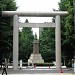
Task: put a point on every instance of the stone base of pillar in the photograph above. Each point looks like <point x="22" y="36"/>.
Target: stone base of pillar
<point x="35" y="58"/>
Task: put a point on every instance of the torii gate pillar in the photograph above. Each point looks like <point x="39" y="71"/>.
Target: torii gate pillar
<point x="15" y="42"/>
<point x="58" y="42"/>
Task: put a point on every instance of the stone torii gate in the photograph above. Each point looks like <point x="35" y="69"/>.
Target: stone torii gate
<point x="17" y="24"/>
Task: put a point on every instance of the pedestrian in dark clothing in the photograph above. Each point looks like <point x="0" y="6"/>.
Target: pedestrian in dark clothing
<point x="4" y="70"/>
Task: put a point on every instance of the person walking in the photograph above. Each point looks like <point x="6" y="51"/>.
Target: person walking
<point x="4" y="70"/>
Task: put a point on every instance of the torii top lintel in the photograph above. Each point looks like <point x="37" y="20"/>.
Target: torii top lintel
<point x="34" y="14"/>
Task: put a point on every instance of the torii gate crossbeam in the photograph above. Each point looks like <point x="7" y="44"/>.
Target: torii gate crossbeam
<point x="34" y="14"/>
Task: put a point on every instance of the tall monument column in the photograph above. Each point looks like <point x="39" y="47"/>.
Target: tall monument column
<point x="58" y="42"/>
<point x="35" y="47"/>
<point x="15" y="42"/>
<point x="35" y="56"/>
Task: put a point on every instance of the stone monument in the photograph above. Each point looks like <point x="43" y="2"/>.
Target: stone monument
<point x="35" y="56"/>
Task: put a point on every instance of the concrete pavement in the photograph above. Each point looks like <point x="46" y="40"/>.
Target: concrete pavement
<point x="42" y="74"/>
<point x="39" y="71"/>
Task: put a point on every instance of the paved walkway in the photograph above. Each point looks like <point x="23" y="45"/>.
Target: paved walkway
<point x="42" y="74"/>
<point x="39" y="71"/>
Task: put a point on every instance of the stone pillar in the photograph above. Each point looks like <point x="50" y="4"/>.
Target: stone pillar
<point x="58" y="42"/>
<point x="35" y="47"/>
<point x="15" y="42"/>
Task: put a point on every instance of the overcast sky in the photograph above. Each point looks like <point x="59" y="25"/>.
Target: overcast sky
<point x="37" y="5"/>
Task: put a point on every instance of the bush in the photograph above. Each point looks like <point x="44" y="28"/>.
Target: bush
<point x="40" y="64"/>
<point x="69" y="64"/>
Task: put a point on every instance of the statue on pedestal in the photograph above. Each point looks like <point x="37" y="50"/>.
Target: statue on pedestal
<point x="35" y="56"/>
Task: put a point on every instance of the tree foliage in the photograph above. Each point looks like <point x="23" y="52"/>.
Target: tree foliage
<point x="68" y="36"/>
<point x="47" y="44"/>
<point x="6" y="29"/>
<point x="25" y="43"/>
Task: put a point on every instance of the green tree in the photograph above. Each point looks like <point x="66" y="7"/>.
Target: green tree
<point x="6" y="29"/>
<point x="68" y="36"/>
<point x="47" y="44"/>
<point x="25" y="43"/>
